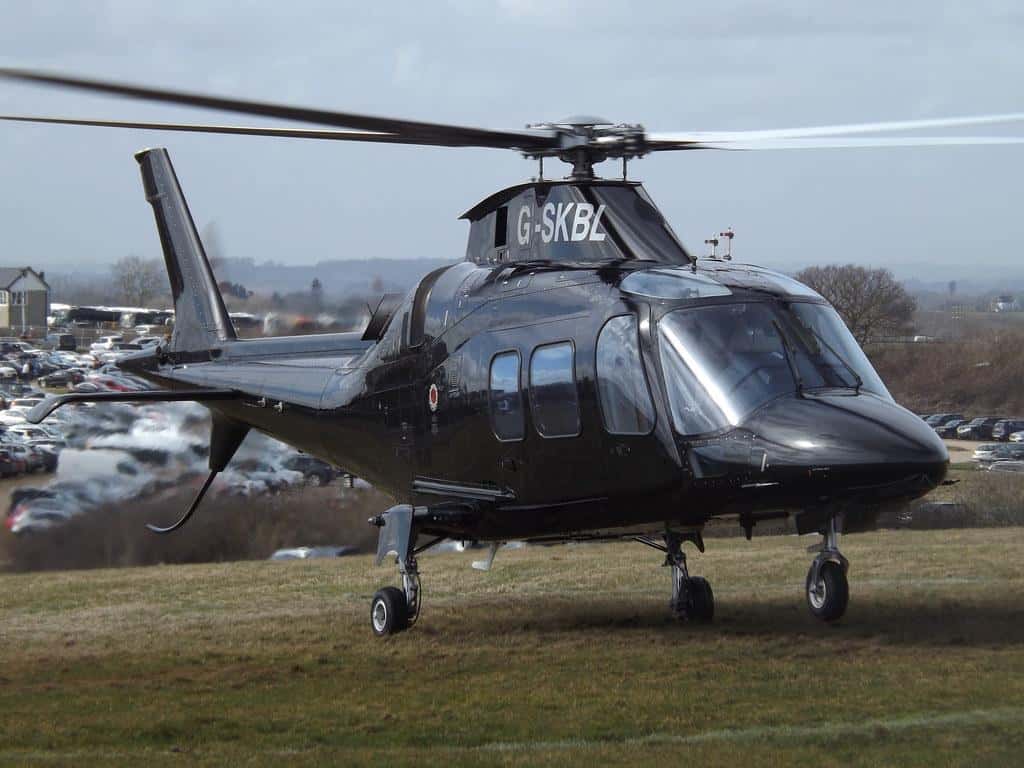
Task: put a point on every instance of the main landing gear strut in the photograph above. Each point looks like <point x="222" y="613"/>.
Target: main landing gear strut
<point x="692" y="598"/>
<point x="828" y="590"/>
<point x="393" y="610"/>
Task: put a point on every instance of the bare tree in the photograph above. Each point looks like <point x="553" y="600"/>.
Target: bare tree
<point x="213" y="246"/>
<point x="139" y="280"/>
<point x="871" y="301"/>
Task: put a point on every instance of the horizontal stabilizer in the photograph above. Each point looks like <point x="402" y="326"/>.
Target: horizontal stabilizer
<point x="51" y="404"/>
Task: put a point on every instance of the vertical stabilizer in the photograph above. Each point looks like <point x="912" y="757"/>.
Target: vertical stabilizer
<point x="201" y="320"/>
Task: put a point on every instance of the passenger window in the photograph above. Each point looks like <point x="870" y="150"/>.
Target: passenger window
<point x="626" y="407"/>
<point x="506" y="402"/>
<point x="553" y="399"/>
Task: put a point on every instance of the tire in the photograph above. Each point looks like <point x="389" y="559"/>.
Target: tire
<point x="701" y="600"/>
<point x="389" y="613"/>
<point x="827" y="600"/>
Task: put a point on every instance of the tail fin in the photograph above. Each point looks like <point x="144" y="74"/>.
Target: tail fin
<point x="201" y="320"/>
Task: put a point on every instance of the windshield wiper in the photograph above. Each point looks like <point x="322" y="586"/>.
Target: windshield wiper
<point x="859" y="382"/>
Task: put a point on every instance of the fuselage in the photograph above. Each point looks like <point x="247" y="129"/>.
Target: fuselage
<point x="535" y="402"/>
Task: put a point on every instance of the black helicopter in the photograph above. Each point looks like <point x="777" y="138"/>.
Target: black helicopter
<point x="578" y="376"/>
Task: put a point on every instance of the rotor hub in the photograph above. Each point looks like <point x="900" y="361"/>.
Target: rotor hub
<point x="585" y="141"/>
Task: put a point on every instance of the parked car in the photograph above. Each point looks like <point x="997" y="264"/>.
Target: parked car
<point x="34" y="461"/>
<point x="1017" y="437"/>
<point x="62" y="378"/>
<point x="999" y="452"/>
<point x="106" y="343"/>
<point x="306" y="553"/>
<point x="64" y="342"/>
<point x="1007" y="466"/>
<point x="316" y="471"/>
<point x="985" y="451"/>
<point x="37" y="515"/>
<point x="9" y="466"/>
<point x="49" y="453"/>
<point x="948" y="429"/>
<point x="939" y="419"/>
<point x="977" y="429"/>
<point x="1003" y="428"/>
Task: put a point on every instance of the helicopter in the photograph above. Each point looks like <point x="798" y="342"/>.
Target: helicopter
<point x="577" y="376"/>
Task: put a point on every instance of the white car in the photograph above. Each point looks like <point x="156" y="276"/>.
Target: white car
<point x="985" y="451"/>
<point x="105" y="343"/>
<point x="1017" y="437"/>
<point x="13" y="416"/>
<point x="29" y="432"/>
<point x="1007" y="466"/>
<point x="149" y="341"/>
<point x="7" y="372"/>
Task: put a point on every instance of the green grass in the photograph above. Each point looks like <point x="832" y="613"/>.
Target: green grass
<point x="558" y="656"/>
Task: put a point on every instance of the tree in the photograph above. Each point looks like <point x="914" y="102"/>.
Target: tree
<point x="871" y="301"/>
<point x="138" y="280"/>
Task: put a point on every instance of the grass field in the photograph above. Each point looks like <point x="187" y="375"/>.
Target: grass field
<point x="561" y="655"/>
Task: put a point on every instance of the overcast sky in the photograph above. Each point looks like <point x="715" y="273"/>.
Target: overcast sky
<point x="73" y="196"/>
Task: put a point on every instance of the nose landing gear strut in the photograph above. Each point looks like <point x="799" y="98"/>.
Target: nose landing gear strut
<point x="828" y="590"/>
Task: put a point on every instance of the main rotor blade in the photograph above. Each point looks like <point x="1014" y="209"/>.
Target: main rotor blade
<point x="836" y="130"/>
<point x="415" y="132"/>
<point x="844" y="143"/>
<point x="290" y="133"/>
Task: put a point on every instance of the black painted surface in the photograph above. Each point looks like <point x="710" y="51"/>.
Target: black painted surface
<point x="409" y="408"/>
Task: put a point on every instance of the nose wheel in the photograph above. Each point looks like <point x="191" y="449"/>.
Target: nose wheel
<point x="827" y="588"/>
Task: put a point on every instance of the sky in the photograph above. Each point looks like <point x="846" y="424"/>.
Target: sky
<point x="71" y="196"/>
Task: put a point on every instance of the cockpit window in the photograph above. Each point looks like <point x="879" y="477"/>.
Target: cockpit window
<point x="721" y="362"/>
<point x="827" y="354"/>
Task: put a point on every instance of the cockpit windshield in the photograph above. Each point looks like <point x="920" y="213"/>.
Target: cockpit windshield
<point x="721" y="362"/>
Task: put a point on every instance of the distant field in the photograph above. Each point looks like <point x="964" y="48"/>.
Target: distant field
<point x="559" y="655"/>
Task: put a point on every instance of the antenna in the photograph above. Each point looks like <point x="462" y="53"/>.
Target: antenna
<point x="728" y="235"/>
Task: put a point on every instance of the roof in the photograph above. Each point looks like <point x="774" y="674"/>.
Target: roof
<point x="9" y="275"/>
<point x="488" y="204"/>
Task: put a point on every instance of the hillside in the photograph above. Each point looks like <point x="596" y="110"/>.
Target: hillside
<point x="978" y="376"/>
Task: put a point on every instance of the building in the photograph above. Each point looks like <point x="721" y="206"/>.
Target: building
<point x="1004" y="303"/>
<point x="24" y="301"/>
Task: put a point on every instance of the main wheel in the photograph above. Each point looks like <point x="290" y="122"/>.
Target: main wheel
<point x="701" y="600"/>
<point x="828" y="596"/>
<point x="389" y="613"/>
